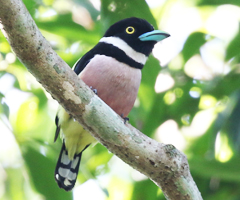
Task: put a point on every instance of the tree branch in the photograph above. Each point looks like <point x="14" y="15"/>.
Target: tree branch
<point x="163" y="164"/>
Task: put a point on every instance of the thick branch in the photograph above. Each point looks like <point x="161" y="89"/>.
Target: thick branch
<point x="163" y="164"/>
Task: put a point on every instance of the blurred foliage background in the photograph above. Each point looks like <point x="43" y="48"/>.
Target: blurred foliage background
<point x="189" y="97"/>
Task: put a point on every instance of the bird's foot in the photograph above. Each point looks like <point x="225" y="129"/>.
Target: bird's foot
<point x="94" y="90"/>
<point x="126" y="119"/>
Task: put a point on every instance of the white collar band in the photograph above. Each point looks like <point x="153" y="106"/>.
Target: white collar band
<point x="129" y="51"/>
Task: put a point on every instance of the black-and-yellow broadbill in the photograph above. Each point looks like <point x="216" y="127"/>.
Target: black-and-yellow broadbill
<point x="113" y="68"/>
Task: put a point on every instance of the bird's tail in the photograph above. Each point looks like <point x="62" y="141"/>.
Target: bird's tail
<point x="66" y="170"/>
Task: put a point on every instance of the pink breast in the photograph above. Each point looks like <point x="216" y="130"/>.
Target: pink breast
<point x="116" y="83"/>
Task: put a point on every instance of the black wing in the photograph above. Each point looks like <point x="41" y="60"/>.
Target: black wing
<point x="82" y="62"/>
<point x="57" y="129"/>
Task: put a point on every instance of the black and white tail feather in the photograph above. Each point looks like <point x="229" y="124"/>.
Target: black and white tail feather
<point x="66" y="170"/>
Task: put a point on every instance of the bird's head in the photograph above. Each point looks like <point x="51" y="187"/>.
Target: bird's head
<point x="137" y="33"/>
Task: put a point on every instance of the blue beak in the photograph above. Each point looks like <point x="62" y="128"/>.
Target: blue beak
<point x="155" y="35"/>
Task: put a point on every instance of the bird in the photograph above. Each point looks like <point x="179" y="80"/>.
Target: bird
<point x="112" y="69"/>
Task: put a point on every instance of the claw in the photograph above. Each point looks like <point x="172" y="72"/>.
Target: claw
<point x="94" y="90"/>
<point x="126" y="119"/>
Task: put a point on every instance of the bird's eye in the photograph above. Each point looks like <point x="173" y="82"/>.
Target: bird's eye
<point x="130" y="30"/>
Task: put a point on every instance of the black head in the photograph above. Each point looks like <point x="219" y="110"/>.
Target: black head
<point x="130" y="30"/>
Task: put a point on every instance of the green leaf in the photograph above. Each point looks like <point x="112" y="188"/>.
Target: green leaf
<point x="89" y="6"/>
<point x="192" y="45"/>
<point x="140" y="192"/>
<point x="228" y="120"/>
<point x="228" y="171"/>
<point x="15" y="184"/>
<point x="223" y="86"/>
<point x="218" y="2"/>
<point x="233" y="49"/>
<point x="64" y="26"/>
<point x="4" y="109"/>
<point x="114" y="10"/>
<point x="3" y="106"/>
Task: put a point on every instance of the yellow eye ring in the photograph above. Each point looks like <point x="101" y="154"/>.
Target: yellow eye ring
<point x="130" y="30"/>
